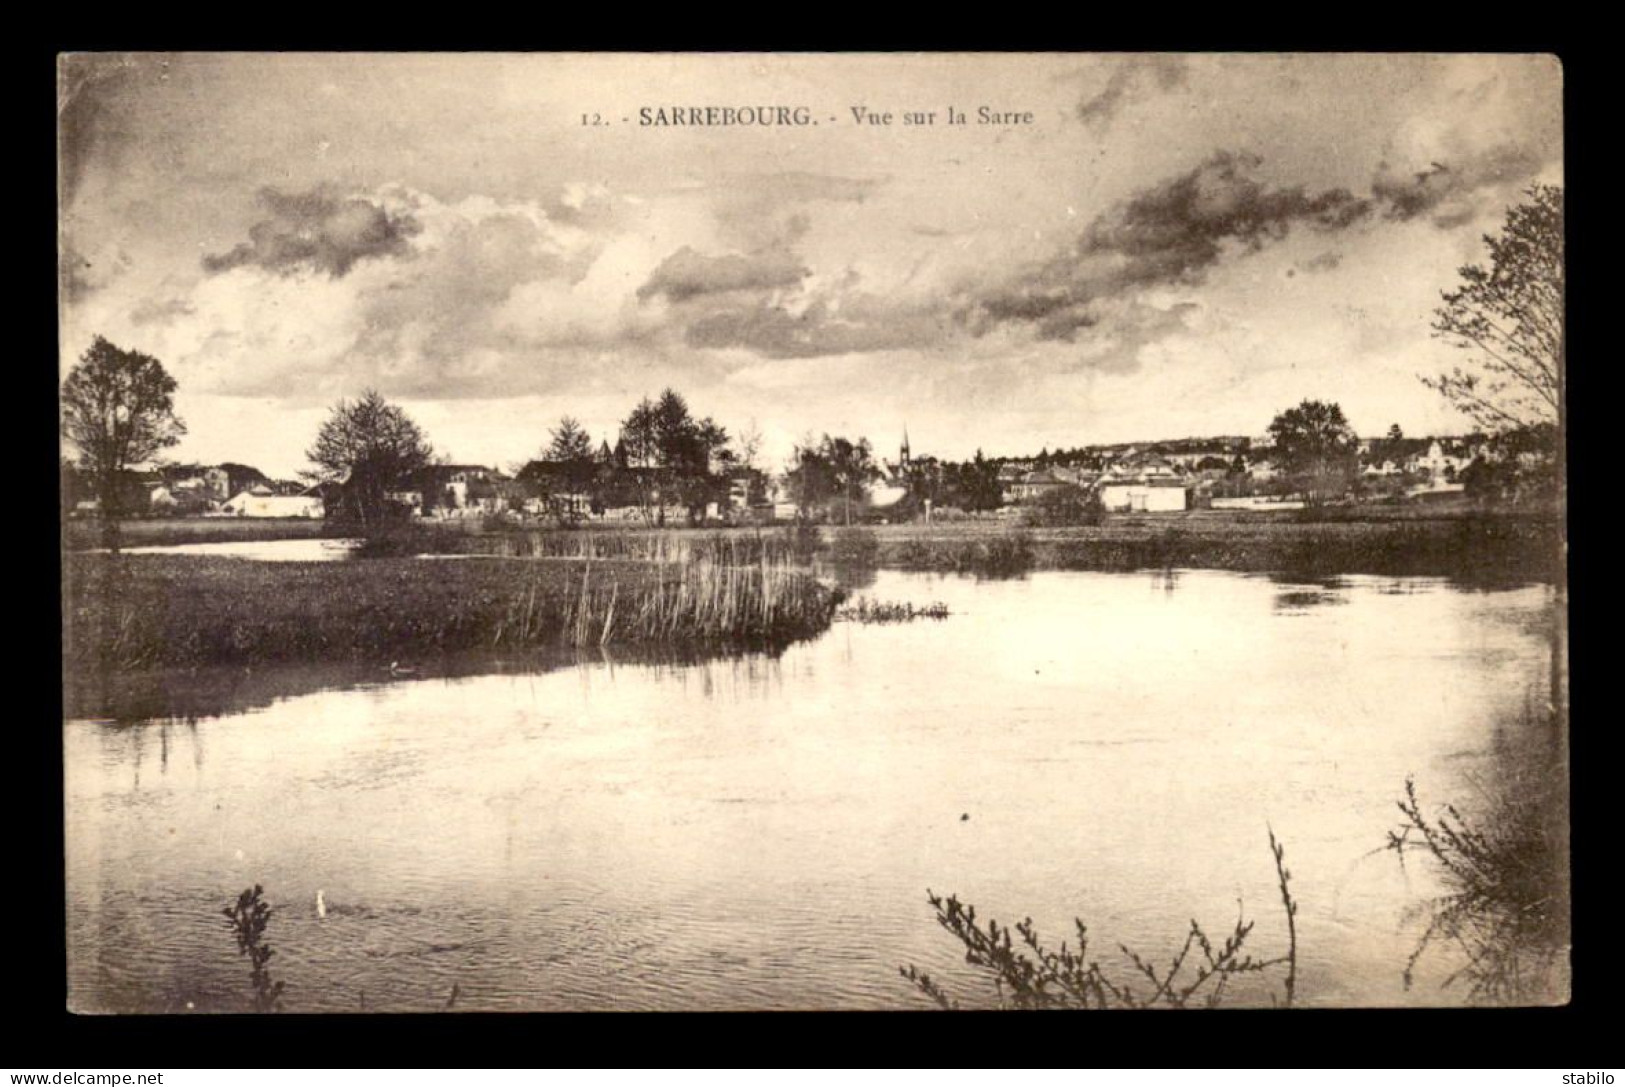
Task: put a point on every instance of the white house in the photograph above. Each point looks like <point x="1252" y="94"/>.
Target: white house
<point x="1440" y="462"/>
<point x="260" y="502"/>
<point x="1144" y="495"/>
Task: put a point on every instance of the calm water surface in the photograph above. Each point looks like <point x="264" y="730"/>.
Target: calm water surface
<point x="761" y="832"/>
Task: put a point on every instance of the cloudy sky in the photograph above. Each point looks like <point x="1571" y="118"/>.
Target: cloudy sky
<point x="1174" y="245"/>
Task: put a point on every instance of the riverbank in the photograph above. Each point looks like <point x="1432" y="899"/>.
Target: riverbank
<point x="1469" y="545"/>
<point x="1499" y="549"/>
<point x="130" y="612"/>
<point x="1488" y="550"/>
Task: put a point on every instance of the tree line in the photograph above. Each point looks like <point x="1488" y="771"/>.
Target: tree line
<point x="1507" y="316"/>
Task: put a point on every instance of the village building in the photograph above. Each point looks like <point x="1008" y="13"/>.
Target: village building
<point x="1145" y="495"/>
<point x="1034" y="485"/>
<point x="264" y="501"/>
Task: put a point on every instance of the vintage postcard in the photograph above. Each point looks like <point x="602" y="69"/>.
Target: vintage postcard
<point x="812" y="531"/>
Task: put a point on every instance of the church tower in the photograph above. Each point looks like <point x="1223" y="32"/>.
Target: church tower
<point x="902" y="460"/>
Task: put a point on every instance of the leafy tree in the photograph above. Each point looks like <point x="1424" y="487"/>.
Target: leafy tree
<point x="1064" y="506"/>
<point x="670" y="454"/>
<point x="639" y="451"/>
<point x="837" y="468"/>
<point x="1509" y="317"/>
<point x="118" y="410"/>
<point x="1315" y="444"/>
<point x="979" y="484"/>
<point x="370" y="447"/>
<point x="811" y="477"/>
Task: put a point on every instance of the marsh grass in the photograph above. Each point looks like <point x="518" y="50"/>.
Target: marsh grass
<point x="125" y="613"/>
<point x="677" y="548"/>
<point x="857" y="548"/>
<point x="1008" y="554"/>
<point x="1027" y="974"/>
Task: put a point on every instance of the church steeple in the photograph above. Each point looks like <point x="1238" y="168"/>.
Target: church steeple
<point x="903" y="457"/>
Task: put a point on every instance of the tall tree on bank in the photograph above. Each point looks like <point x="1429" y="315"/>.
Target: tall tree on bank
<point x="670" y="453"/>
<point x="369" y="447"/>
<point x="118" y="410"/>
<point x="1317" y="447"/>
<point x="834" y="468"/>
<point x="1509" y="317"/>
<point x="640" y="440"/>
<point x="853" y="466"/>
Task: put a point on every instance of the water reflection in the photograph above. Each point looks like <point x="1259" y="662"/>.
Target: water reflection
<point x="187" y="695"/>
<point x="1295" y="601"/>
<point x="757" y="831"/>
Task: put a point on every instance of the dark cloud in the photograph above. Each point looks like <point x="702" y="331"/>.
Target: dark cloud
<point x="317" y="230"/>
<point x="687" y="274"/>
<point x="1443" y="190"/>
<point x="1132" y="75"/>
<point x="1171" y="233"/>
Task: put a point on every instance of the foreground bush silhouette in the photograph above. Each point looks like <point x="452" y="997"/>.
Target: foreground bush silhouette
<point x="248" y="920"/>
<point x="1027" y="975"/>
<point x="1505" y="906"/>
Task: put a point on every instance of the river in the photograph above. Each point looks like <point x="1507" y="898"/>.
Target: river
<point x="760" y="832"/>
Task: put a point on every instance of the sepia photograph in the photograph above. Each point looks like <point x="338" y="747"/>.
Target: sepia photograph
<point x="556" y="532"/>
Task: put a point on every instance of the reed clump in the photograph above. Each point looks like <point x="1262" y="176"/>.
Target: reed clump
<point x="702" y="601"/>
<point x="866" y="610"/>
<point x="1008" y="554"/>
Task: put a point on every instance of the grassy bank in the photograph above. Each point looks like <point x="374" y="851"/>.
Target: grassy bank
<point x="1491" y="548"/>
<point x="1487" y="549"/>
<point x="84" y="535"/>
<point x="148" y="611"/>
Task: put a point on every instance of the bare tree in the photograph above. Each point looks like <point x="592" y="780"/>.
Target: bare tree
<point x="118" y="409"/>
<point x="1509" y="318"/>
